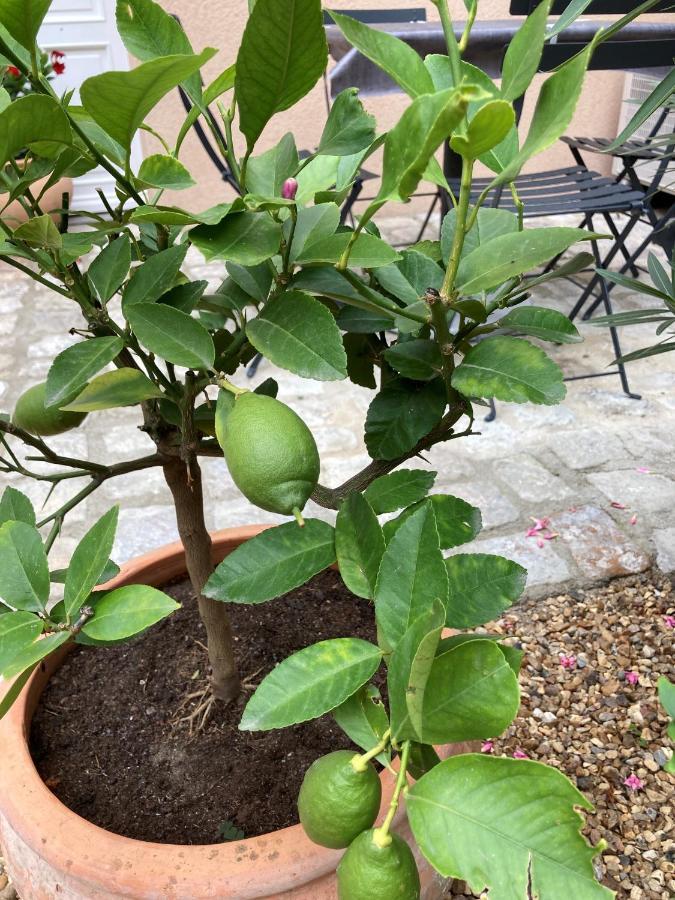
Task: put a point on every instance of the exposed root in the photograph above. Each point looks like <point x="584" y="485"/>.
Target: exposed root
<point x="203" y="703"/>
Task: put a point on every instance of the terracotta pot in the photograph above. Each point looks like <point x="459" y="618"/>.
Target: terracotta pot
<point x="52" y="852"/>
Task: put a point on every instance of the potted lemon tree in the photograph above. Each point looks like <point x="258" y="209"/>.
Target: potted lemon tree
<point x="416" y="328"/>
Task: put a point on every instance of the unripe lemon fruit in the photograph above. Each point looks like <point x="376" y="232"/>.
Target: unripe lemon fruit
<point x="31" y="414"/>
<point x="368" y="871"/>
<point x="271" y="453"/>
<point x="336" y="801"/>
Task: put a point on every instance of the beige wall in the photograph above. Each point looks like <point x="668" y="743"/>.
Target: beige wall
<point x="220" y="23"/>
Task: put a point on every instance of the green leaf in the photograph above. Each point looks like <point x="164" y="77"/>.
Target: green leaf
<point x="313" y="225"/>
<point x="490" y="224"/>
<point x="273" y="563"/>
<point x="402" y="414"/>
<point x="127" y="611"/>
<point x="247" y="238"/>
<point x="349" y="127"/>
<point x="523" y="54"/>
<point x="482" y="586"/>
<point x="298" y="333"/>
<point x="165" y="172"/>
<point x="508" y="825"/>
<point x="123" y="387"/>
<point x="663" y="90"/>
<point x="360" y="360"/>
<point x="148" y="32"/>
<point x="411" y="276"/>
<point x="18" y="630"/>
<point x="471" y="693"/>
<point x="88" y="562"/>
<point x="120" y="101"/>
<point x="24" y="573"/>
<point x="110" y="570"/>
<point x="390" y="54"/>
<point x="359" y="545"/>
<point x="311" y="682"/>
<point x="422" y="759"/>
<point x="495" y="261"/>
<point x="667" y="695"/>
<point x="417" y="359"/>
<point x="185" y="297"/>
<point x="28" y="657"/>
<point x="266" y="174"/>
<point x="40" y="232"/>
<point x="23" y="18"/>
<point x="512" y="655"/>
<point x="659" y="276"/>
<point x="282" y="55"/>
<point x="509" y="369"/>
<point x="546" y="324"/>
<point x="74" y="366"/>
<point x="412" y="576"/>
<point x="171" y="215"/>
<point x="457" y="521"/>
<point x="154" y="277"/>
<point x="11" y="694"/>
<point x="172" y="335"/>
<point x="364" y="720"/>
<point x="16" y="507"/>
<point x="488" y="128"/>
<point x="224" y="406"/>
<point x="110" y="268"/>
<point x="36" y="122"/>
<point x="402" y="488"/>
<point x="368" y="251"/>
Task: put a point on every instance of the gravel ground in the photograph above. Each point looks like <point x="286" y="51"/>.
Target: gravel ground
<point x="582" y="714"/>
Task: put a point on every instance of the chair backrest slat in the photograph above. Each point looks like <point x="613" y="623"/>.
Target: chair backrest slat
<point x="613" y="55"/>
<point x="596" y="7"/>
<point x="381" y="16"/>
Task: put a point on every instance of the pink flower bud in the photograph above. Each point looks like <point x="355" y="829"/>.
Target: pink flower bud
<point x="290" y="189"/>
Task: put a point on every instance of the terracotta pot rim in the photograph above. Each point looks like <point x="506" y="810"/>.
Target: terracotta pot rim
<point x="141" y="867"/>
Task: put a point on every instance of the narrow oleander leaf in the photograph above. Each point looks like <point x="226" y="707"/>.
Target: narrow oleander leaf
<point x="402" y="414"/>
<point x="122" y="387"/>
<point x="310" y="683"/>
<point x="110" y="268"/>
<point x="509" y="369"/>
<point x="349" y="127"/>
<point x="458" y="522"/>
<point x="127" y="611"/>
<point x="18" y="630"/>
<point x="154" y="277"/>
<point x="74" y="366"/>
<point x="546" y="324"/>
<point x="16" y="507"/>
<point x="489" y="820"/>
<point x="273" y="563"/>
<point x="89" y="561"/>
<point x="523" y="53"/>
<point x="364" y="719"/>
<point x="399" y="489"/>
<point x="359" y="545"/>
<point x="24" y="573"/>
<point x="172" y="335"/>
<point x="482" y="586"/>
<point x="248" y="238"/>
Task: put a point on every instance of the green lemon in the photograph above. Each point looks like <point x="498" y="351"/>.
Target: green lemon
<point x="270" y="452"/>
<point x="336" y="802"/>
<point x="31" y="414"/>
<point x="368" y="871"/>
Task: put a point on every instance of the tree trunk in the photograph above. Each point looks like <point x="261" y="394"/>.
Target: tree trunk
<point x="185" y="481"/>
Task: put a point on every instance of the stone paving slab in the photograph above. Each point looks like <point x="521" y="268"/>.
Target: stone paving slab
<point x="532" y="461"/>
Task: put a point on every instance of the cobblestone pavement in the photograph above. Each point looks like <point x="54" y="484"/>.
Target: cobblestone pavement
<point x="579" y="463"/>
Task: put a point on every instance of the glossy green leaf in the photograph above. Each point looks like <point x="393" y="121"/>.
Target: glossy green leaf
<point x="401" y="415"/>
<point x="364" y="719"/>
<point x="74" y="366"/>
<point x="490" y="224"/>
<point x="368" y="251"/>
<point x="172" y="335"/>
<point x="398" y="489"/>
<point x="457" y="521"/>
<point x="165" y="172"/>
<point x="120" y="101"/>
<point x="282" y="55"/>
<point x="110" y="570"/>
<point x="107" y="272"/>
<point x="482" y="586"/>
<point x="349" y="127"/>
<point x="422" y="759"/>
<point x="313" y="225"/>
<point x="40" y="232"/>
<point x="523" y="53"/>
<point x="32" y="654"/>
<point x="546" y="324"/>
<point x="503" y="257"/>
<point x="399" y="60"/>
<point x="489" y="821"/>
<point x="662" y="91"/>
<point x="154" y="277"/>
<point x="410" y="277"/>
<point x="311" y="682"/>
<point x="359" y="545"/>
<point x="224" y="406"/>
<point x="488" y="128"/>
<point x="509" y="369"/>
<point x="417" y="359"/>
<point x="266" y="174"/>
<point x="298" y="333"/>
<point x="171" y="215"/>
<point x="12" y="693"/>
<point x="570" y="14"/>
<point x="127" y="611"/>
<point x="185" y="297"/>
<point x="471" y="693"/>
<point x="34" y="121"/>
<point x="16" y="507"/>
<point x="24" y="573"/>
<point x="18" y="630"/>
<point x="412" y="576"/>
<point x="273" y="563"/>
<point x="512" y="655"/>
<point x="247" y="238"/>
<point x="88" y="562"/>
<point x="23" y="18"/>
<point x="123" y="387"/>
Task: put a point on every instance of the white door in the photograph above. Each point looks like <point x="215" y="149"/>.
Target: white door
<point x="85" y="31"/>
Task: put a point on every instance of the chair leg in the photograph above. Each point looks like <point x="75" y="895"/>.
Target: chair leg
<point x="348" y="205"/>
<point x="624" y="250"/>
<point x="492" y="415"/>
<point x="253" y="365"/>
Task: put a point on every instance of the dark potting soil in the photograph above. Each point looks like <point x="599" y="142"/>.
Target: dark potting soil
<point x="105" y="740"/>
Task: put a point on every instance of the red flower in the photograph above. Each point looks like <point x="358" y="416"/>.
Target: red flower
<point x="58" y="65"/>
<point x="13" y="71"/>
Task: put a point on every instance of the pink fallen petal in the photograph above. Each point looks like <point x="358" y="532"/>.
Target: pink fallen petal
<point x="487" y="747"/>
<point x="633" y="519"/>
<point x="616" y="505"/>
<point x="540" y="542"/>
<point x="634" y="783"/>
<point x="670" y="621"/>
<point x="568" y="662"/>
<point x="520" y="755"/>
<point x="632" y="677"/>
<point x="507" y="624"/>
<point x="643" y="470"/>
